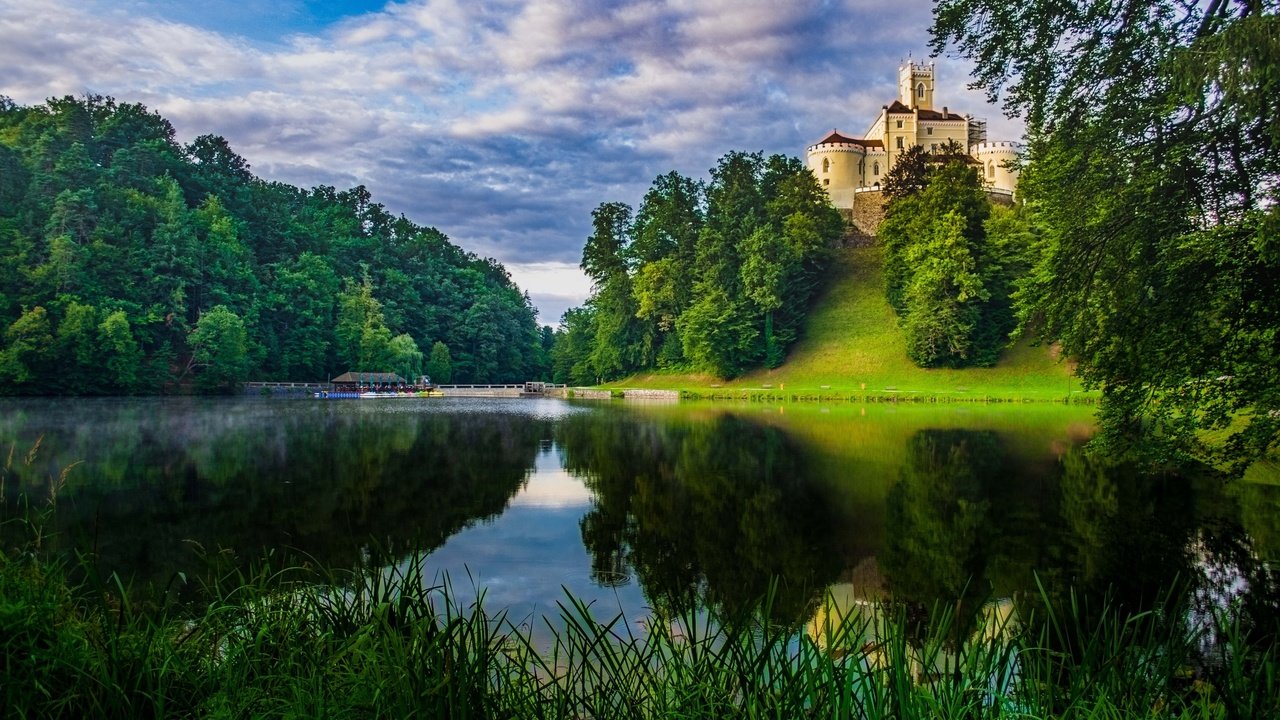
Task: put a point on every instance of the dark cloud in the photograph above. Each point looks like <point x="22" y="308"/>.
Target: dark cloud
<point x="501" y="123"/>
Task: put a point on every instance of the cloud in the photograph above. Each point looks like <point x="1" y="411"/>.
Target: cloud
<point x="502" y="123"/>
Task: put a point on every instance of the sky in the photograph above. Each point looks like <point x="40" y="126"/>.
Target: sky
<point x="502" y="123"/>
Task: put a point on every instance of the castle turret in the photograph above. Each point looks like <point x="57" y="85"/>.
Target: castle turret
<point x="997" y="159"/>
<point x="915" y="85"/>
<point x="843" y="165"/>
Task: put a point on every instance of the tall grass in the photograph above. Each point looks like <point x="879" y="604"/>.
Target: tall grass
<point x="384" y="641"/>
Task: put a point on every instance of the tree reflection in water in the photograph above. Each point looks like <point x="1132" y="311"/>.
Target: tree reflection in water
<point x="712" y="511"/>
<point x="1106" y="534"/>
<point x="700" y="504"/>
<point x="306" y="484"/>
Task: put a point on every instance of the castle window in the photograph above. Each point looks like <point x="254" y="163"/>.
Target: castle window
<point x="826" y="164"/>
<point x="826" y="181"/>
<point x="899" y="123"/>
<point x="920" y="91"/>
<point x="991" y="169"/>
<point x="933" y="147"/>
<point x="875" y="169"/>
<point x="928" y="131"/>
<point x="899" y="142"/>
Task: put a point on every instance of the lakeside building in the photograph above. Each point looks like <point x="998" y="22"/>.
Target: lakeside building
<point x="846" y="166"/>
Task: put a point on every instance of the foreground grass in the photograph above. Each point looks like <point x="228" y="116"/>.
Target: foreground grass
<point x="307" y="643"/>
<point x="852" y="345"/>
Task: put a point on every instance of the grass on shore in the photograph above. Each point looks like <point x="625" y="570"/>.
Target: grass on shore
<point x="852" y="345"/>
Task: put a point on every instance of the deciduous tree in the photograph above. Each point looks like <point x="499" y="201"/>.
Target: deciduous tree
<point x="1154" y="173"/>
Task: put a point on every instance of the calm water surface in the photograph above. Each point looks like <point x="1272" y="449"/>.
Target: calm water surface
<point x="636" y="505"/>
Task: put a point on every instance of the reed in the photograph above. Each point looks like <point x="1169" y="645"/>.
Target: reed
<point x="385" y="641"/>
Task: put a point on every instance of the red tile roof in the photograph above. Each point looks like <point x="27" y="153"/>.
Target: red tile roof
<point x="935" y="115"/>
<point x="836" y="137"/>
<point x="897" y="108"/>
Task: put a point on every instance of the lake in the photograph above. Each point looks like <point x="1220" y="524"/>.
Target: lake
<point x="636" y="505"/>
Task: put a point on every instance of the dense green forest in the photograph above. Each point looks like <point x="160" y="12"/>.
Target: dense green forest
<point x="952" y="259"/>
<point x="1152" y="190"/>
<point x="130" y="263"/>
<point x="714" y="277"/>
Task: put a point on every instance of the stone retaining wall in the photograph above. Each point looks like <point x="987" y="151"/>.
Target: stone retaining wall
<point x="867" y="214"/>
<point x="480" y="392"/>
<point x="651" y="394"/>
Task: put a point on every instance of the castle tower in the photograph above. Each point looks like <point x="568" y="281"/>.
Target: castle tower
<point x="995" y="158"/>
<point x="841" y="165"/>
<point x="915" y="85"/>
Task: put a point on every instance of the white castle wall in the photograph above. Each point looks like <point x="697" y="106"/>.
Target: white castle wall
<point x="841" y="174"/>
<point x="996" y="158"/>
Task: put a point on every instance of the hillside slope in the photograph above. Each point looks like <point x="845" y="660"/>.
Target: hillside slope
<point x="852" y="344"/>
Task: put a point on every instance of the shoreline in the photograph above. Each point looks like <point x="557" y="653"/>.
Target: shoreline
<point x="769" y="395"/>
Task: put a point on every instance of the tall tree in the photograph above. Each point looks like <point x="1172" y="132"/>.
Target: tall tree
<point x="909" y="174"/>
<point x="663" y="249"/>
<point x="942" y="274"/>
<point x="440" y="365"/>
<point x="1154" y="172"/>
<point x="219" y="350"/>
<point x="768" y="262"/>
<point x="119" y="353"/>
<point x="604" y="259"/>
<point x="571" y="356"/>
<point x="404" y="357"/>
<point x="362" y="333"/>
<point x="28" y="349"/>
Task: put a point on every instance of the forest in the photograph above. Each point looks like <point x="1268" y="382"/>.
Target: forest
<point x="714" y="277"/>
<point x="1151" y="185"/>
<point x="133" y="264"/>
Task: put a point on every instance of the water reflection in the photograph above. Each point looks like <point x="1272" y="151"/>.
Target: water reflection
<point x="707" y="511"/>
<point x="654" y="506"/>
<point x="939" y="519"/>
<point x="315" y="482"/>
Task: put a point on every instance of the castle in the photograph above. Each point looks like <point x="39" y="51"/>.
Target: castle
<point x="846" y="166"/>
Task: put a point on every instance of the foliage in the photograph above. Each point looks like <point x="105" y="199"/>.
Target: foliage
<point x="218" y="346"/>
<point x="571" y="356"/>
<point x="909" y="174"/>
<point x="943" y="273"/>
<point x="715" y="277"/>
<point x="404" y="357"/>
<point x="386" y="643"/>
<point x="1152" y="178"/>
<point x="115" y="240"/>
<point x="854" y="348"/>
<point x="440" y="365"/>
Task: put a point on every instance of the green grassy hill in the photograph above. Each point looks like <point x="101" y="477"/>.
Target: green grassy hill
<point x="853" y="346"/>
